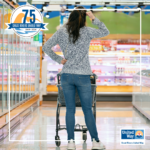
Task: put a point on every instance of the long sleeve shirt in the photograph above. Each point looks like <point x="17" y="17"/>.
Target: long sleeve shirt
<point x="77" y="54"/>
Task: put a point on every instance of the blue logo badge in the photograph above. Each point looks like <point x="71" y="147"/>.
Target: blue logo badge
<point x="26" y="21"/>
<point x="132" y="137"/>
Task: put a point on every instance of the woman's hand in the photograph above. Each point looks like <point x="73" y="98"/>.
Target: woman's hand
<point x="90" y="14"/>
<point x="63" y="61"/>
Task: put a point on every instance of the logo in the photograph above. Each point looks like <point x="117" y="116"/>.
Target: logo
<point x="26" y="21"/>
<point x="132" y="137"/>
<point x="139" y="134"/>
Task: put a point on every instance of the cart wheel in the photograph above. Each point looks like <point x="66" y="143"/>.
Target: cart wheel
<point x="85" y="136"/>
<point x="57" y="142"/>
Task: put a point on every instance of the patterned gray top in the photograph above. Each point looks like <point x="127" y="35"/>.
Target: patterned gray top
<point x="77" y="54"/>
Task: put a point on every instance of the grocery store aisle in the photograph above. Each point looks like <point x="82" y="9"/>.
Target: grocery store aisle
<point x="111" y="116"/>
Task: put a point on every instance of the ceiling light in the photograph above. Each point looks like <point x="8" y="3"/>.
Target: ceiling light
<point x="105" y="7"/>
<point x="47" y="15"/>
<point x="115" y="8"/>
<point x="44" y="8"/>
<point x="45" y="5"/>
<point x="91" y="9"/>
<point x="75" y="6"/>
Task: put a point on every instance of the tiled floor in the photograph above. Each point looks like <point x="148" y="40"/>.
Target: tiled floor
<point x="111" y="117"/>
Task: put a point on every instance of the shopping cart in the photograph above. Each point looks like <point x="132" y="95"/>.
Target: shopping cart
<point x="61" y="103"/>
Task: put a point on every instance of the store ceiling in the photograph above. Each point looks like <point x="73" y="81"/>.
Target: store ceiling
<point x="134" y="2"/>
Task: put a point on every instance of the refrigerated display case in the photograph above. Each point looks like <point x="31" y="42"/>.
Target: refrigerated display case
<point x="114" y="63"/>
<point x="22" y="56"/>
<point x="141" y="92"/>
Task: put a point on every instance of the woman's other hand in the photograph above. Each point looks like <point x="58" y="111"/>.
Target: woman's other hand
<point x="63" y="61"/>
<point x="90" y="14"/>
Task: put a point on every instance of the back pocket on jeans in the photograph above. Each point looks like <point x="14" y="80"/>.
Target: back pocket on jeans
<point x="64" y="79"/>
<point x="84" y="80"/>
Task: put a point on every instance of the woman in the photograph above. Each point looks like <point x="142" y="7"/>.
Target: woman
<point x="74" y="39"/>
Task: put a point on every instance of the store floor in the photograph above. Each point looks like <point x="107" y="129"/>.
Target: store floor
<point x="111" y="117"/>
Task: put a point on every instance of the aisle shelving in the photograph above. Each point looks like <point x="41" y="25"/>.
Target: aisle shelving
<point x="114" y="68"/>
<point x="22" y="55"/>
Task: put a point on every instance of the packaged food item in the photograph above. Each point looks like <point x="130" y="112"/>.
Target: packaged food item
<point x="109" y="80"/>
<point x="119" y="70"/>
<point x="112" y="48"/>
<point x="100" y="60"/>
<point x="105" y="48"/>
<point x="118" y="60"/>
<point x="116" y="80"/>
<point x="120" y="80"/>
<point x="129" y="80"/>
<point x="98" y="80"/>
<point x="56" y="79"/>
<point x="116" y="70"/>
<point x="105" y="80"/>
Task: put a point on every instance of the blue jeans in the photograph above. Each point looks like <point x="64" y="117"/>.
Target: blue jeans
<point x="69" y="83"/>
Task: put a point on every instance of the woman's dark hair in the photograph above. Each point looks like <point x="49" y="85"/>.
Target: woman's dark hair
<point x="76" y="21"/>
